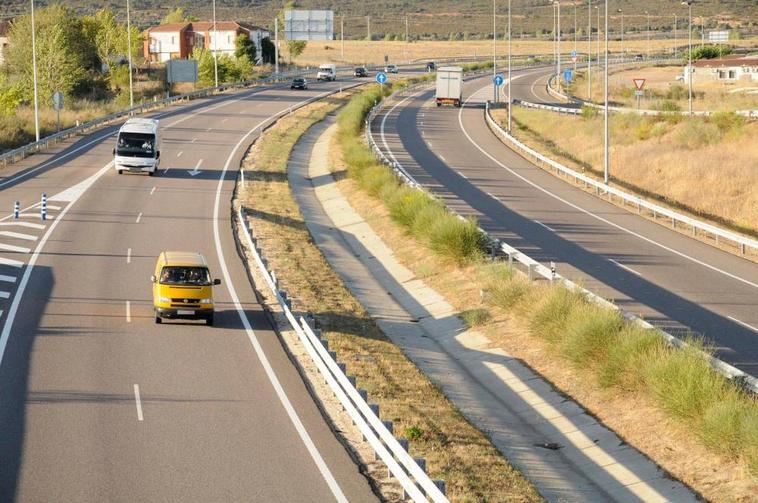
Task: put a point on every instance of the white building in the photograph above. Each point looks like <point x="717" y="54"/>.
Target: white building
<point x="728" y="69"/>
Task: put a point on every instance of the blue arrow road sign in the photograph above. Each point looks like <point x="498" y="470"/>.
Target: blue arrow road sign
<point x="381" y="77"/>
<point x="568" y="74"/>
<point x="498" y="79"/>
<point x="573" y="54"/>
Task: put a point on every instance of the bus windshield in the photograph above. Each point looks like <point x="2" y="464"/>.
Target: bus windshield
<point x="135" y="145"/>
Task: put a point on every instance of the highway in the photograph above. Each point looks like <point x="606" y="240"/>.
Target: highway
<point x="97" y="402"/>
<point x="674" y="282"/>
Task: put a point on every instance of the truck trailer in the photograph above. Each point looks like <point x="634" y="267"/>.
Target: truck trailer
<point x="449" y="86"/>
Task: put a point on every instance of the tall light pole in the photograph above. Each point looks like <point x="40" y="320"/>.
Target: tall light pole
<point x="675" y="42"/>
<point x="688" y="3"/>
<point x="589" y="50"/>
<point x="342" y="37"/>
<point x="606" y="158"/>
<point x="215" y="45"/>
<point x="129" y="51"/>
<point x="558" y="43"/>
<point x="510" y="103"/>
<point x="494" y="50"/>
<point x="575" y="40"/>
<point x="622" y="35"/>
<point x="34" y="73"/>
<point x="276" y="46"/>
<point x="598" y="34"/>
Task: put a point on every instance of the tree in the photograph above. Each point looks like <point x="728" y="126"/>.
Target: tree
<point x="177" y="15"/>
<point x="295" y="47"/>
<point x="245" y="48"/>
<point x="268" y="51"/>
<point x="65" y="56"/>
<point x="110" y="40"/>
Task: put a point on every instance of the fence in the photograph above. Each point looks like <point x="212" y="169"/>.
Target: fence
<point x="533" y="267"/>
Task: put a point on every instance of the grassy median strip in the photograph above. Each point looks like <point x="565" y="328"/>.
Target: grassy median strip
<point x="605" y="352"/>
<point x="455" y="451"/>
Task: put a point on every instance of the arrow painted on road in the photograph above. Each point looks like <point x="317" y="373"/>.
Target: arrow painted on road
<point x="196" y="171"/>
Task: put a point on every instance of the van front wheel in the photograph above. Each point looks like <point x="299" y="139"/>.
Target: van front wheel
<point x="158" y="319"/>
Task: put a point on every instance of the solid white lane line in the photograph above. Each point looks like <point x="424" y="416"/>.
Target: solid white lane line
<point x="12" y="248"/>
<point x="443" y="157"/>
<point x="625" y="267"/>
<point x="464" y="176"/>
<point x="746" y="325"/>
<point x="139" y="217"/>
<point x="545" y="226"/>
<point x="138" y="401"/>
<point x="152" y="191"/>
<point x="7" y="279"/>
<point x="129" y="256"/>
<point x="24" y="224"/>
<point x="18" y="235"/>
<point x="180" y="153"/>
<point x="4" y="295"/>
<point x="11" y="262"/>
<point x="589" y="213"/>
<point x="193" y="140"/>
<point x="128" y="312"/>
<point x="291" y="412"/>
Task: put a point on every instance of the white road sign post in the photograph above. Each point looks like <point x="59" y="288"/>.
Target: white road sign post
<point x="639" y="84"/>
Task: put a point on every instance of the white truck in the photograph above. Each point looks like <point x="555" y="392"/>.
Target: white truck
<point x="137" y="147"/>
<point x="327" y="71"/>
<point x="449" y="86"/>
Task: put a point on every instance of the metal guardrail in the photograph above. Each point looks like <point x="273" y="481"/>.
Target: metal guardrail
<point x="415" y="482"/>
<point x="20" y="153"/>
<point x="742" y="242"/>
<point x="533" y="267"/>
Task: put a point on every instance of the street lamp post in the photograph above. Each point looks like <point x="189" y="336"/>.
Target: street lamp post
<point x="558" y="46"/>
<point x="34" y="74"/>
<point x="648" y="34"/>
<point x="129" y="51"/>
<point x="623" y="53"/>
<point x="589" y="50"/>
<point x="688" y="3"/>
<point x="606" y="157"/>
<point x="575" y="58"/>
<point x="510" y="103"/>
<point x="215" y="46"/>
<point x="494" y="50"/>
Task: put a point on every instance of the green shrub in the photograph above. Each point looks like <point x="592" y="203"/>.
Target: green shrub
<point x="549" y="318"/>
<point x="668" y="106"/>
<point x="624" y="364"/>
<point x="413" y="433"/>
<point x="695" y="132"/>
<point x="476" y="317"/>
<point x="659" y="129"/>
<point x="405" y="204"/>
<point x="728" y="122"/>
<point x="589" y="332"/>
<point x="589" y="112"/>
<point x="677" y="92"/>
<point x="456" y="239"/>
<point x="504" y="287"/>
<point x="643" y="131"/>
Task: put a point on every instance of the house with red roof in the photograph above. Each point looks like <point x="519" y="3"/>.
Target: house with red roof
<point x="178" y="40"/>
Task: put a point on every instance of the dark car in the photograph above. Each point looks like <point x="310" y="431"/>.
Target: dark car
<point x="430" y="66"/>
<point x="299" y="83"/>
<point x="639" y="57"/>
<point x="360" y="72"/>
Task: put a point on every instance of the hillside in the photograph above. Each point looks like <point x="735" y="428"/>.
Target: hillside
<point x="436" y="18"/>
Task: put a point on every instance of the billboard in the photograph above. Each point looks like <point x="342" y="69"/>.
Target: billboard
<point x="309" y="25"/>
<point x="181" y="70"/>
<point x="717" y="37"/>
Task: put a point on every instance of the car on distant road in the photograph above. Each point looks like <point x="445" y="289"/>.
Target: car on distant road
<point x="299" y="83"/>
<point x="639" y="57"/>
<point x="390" y="69"/>
<point x="327" y="71"/>
<point x="182" y="287"/>
<point x="360" y="72"/>
<point x="430" y="66"/>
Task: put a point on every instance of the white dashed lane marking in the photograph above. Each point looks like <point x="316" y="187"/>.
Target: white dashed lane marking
<point x="8" y="279"/>
<point x="18" y="235"/>
<point x="28" y="225"/>
<point x="12" y="248"/>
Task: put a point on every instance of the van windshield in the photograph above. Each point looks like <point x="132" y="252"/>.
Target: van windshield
<point x="136" y="145"/>
<point x="195" y="276"/>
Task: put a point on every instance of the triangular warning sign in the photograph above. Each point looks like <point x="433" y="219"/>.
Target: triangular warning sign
<point x="639" y="83"/>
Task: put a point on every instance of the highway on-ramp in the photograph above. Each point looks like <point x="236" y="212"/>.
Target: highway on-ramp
<point x="671" y="280"/>
<point x="99" y="403"/>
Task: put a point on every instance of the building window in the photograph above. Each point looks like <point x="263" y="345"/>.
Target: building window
<point x="732" y="74"/>
<point x="722" y="74"/>
<point x="173" y="40"/>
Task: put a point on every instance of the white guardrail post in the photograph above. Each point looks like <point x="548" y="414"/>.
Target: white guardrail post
<point x="749" y="382"/>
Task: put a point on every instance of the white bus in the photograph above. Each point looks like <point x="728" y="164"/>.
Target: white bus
<point x="137" y="147"/>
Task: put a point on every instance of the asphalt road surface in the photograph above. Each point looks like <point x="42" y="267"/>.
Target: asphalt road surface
<point x="674" y="282"/>
<point x="97" y="402"/>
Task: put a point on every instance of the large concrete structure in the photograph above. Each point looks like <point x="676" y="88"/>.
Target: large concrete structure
<point x="177" y="40"/>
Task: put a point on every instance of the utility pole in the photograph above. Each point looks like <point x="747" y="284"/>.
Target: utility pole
<point x="215" y="45"/>
<point x="558" y="47"/>
<point x="34" y="71"/>
<point x="129" y="51"/>
<point x="276" y="46"/>
<point x="510" y="103"/>
<point x="576" y="56"/>
<point x="623" y="52"/>
<point x="688" y="3"/>
<point x="342" y="36"/>
<point x="494" y="51"/>
<point x="589" y="50"/>
<point x="606" y="158"/>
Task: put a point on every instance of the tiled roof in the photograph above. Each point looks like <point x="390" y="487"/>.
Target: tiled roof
<point x="728" y="61"/>
<point x="171" y="27"/>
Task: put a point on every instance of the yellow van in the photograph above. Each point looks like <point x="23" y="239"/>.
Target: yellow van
<point x="182" y="287"/>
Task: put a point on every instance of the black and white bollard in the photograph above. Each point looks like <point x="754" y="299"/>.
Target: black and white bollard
<point x="552" y="271"/>
<point x="43" y="207"/>
<point x="16" y="209"/>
